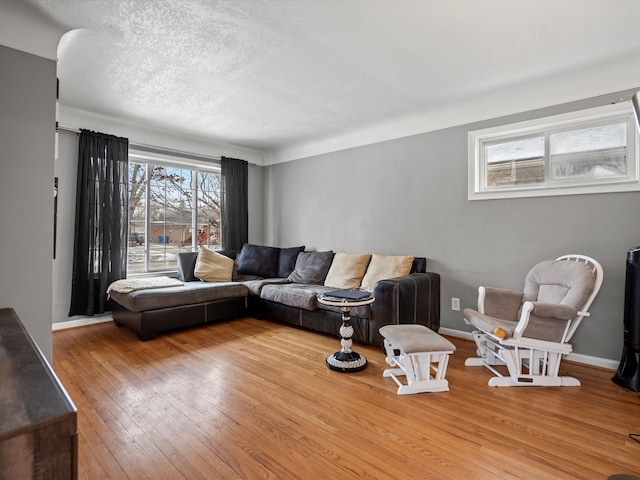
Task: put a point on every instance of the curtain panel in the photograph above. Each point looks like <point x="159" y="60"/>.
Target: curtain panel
<point x="100" y="241"/>
<point x="234" y="199"/>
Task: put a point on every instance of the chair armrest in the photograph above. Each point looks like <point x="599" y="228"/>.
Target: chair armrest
<point x="499" y="302"/>
<point x="413" y="298"/>
<point x="553" y="310"/>
<point x="545" y="321"/>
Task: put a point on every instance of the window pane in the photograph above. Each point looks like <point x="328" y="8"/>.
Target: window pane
<point x="515" y="162"/>
<point x="137" y="211"/>
<point x="170" y="207"/>
<point x="163" y="214"/>
<point x="209" y="209"/>
<point x="589" y="153"/>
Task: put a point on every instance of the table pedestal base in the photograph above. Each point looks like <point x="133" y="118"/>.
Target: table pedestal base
<point x="346" y="362"/>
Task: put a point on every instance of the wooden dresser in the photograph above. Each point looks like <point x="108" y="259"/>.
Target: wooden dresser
<point x="38" y="420"/>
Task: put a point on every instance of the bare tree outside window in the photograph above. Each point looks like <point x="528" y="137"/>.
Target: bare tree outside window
<point x="171" y="209"/>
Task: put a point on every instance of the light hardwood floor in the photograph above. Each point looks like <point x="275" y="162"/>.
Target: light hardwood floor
<point x="252" y="399"/>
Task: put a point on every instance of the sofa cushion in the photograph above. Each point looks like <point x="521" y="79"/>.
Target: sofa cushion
<point x="347" y="270"/>
<point x="255" y="285"/>
<point x="311" y="267"/>
<point x="384" y="266"/>
<point x="187" y="294"/>
<point x="294" y="294"/>
<point x="287" y="260"/>
<point x="187" y="266"/>
<point x="258" y="260"/>
<point x="213" y="267"/>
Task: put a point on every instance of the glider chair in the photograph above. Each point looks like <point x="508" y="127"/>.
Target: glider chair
<point x="529" y="332"/>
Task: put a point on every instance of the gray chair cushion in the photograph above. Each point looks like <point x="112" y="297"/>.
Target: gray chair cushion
<point x="561" y="282"/>
<point x="487" y="323"/>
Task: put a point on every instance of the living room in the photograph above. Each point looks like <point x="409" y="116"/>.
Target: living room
<point x="395" y="193"/>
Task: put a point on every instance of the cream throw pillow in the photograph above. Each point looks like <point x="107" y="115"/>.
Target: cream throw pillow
<point x="347" y="270"/>
<point x="212" y="266"/>
<point x="382" y="267"/>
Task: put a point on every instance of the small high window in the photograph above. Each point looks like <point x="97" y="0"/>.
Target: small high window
<point x="590" y="151"/>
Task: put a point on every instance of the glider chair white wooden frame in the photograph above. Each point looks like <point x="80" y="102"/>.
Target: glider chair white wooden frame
<point x="529" y="332"/>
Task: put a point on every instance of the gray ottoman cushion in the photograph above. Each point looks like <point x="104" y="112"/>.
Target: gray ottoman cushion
<point x="415" y="339"/>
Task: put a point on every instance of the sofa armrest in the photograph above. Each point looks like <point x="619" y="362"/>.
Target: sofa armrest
<point x="413" y="298"/>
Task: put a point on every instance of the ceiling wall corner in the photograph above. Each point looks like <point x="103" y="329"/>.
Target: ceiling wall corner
<point x="24" y="28"/>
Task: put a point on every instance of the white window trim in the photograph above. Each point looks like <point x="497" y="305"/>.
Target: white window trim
<point x="173" y="161"/>
<point x="476" y="167"/>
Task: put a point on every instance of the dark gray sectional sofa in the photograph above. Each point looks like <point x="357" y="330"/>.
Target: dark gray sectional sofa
<point x="279" y="293"/>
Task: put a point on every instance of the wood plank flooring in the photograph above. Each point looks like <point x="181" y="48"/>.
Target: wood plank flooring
<point x="252" y="399"/>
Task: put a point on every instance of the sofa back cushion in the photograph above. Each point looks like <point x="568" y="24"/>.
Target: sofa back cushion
<point x="258" y="260"/>
<point x="213" y="267"/>
<point x="267" y="262"/>
<point x="287" y="260"/>
<point x="347" y="270"/>
<point x="419" y="265"/>
<point x="385" y="266"/>
<point x="311" y="267"/>
<point x="187" y="266"/>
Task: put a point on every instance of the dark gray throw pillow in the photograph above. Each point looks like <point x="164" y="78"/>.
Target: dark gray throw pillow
<point x="287" y="260"/>
<point x="258" y="260"/>
<point x="311" y="267"/>
<point x="186" y="266"/>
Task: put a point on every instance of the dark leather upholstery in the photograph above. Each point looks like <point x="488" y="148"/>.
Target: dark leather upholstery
<point x="410" y="299"/>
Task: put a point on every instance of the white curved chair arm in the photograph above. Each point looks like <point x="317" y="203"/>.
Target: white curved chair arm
<point x="543" y="317"/>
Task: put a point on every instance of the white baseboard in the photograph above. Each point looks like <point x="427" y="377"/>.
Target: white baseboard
<point x="82" y="321"/>
<point x="574" y="357"/>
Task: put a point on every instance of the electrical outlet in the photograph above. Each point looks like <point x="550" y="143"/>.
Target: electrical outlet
<point x="455" y="304"/>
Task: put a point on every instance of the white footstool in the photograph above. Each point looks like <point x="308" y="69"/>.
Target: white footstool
<point x="420" y="354"/>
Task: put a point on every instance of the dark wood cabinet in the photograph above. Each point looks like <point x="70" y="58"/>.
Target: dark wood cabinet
<point x="38" y="420"/>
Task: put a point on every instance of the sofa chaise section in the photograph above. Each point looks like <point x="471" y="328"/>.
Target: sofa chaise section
<point x="150" y="311"/>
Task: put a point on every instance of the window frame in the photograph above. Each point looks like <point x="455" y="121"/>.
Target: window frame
<point x="170" y="161"/>
<point x="545" y="127"/>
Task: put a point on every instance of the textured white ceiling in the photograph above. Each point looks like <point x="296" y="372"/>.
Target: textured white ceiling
<point x="275" y="75"/>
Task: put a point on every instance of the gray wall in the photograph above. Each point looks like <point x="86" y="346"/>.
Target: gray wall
<point x="409" y="196"/>
<point x="66" y="171"/>
<point x="27" y="128"/>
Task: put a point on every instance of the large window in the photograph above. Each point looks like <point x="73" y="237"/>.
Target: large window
<point x="172" y="208"/>
<point x="589" y="151"/>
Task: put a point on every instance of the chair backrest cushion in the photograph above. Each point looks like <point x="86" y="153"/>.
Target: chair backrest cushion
<point x="566" y="282"/>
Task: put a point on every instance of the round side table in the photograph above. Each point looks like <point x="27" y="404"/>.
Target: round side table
<point x="346" y="360"/>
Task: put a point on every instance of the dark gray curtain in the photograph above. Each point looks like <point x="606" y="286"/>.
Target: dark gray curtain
<point x="234" y="203"/>
<point x="100" y="241"/>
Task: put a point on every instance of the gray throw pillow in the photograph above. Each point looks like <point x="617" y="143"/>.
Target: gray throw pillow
<point x="186" y="266"/>
<point x="311" y="267"/>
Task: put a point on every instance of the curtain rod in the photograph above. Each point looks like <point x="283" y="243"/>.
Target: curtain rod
<point x="153" y="148"/>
